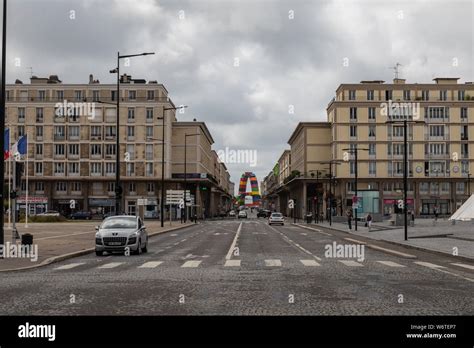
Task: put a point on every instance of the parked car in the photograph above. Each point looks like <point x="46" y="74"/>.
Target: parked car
<point x="276" y="218"/>
<point x="242" y="214"/>
<point x="50" y="213"/>
<point x="264" y="213"/>
<point x="81" y="215"/>
<point x="232" y="213"/>
<point x="116" y="233"/>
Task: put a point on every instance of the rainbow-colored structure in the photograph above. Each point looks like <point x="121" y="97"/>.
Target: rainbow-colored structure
<point x="255" y="193"/>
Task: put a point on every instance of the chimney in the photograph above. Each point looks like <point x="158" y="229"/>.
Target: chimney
<point x="397" y="81"/>
<point x="91" y="79"/>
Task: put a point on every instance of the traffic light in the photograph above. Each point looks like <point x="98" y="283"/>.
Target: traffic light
<point x="19" y="167"/>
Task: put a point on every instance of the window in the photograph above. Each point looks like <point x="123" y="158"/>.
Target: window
<point x="150" y="95"/>
<point x="132" y="95"/>
<point x="61" y="186"/>
<point x="435" y="149"/>
<point x="388" y="95"/>
<point x="21" y="131"/>
<point x="149" y="152"/>
<point x="150" y="187"/>
<point x="460" y="187"/>
<point x="78" y="95"/>
<point x="371" y="131"/>
<point x="352" y="94"/>
<point x="437" y="113"/>
<point x="464" y="150"/>
<point x="111" y="186"/>
<point x="59" y="132"/>
<point x="425" y="94"/>
<point x="149" y="169"/>
<point x="443" y="95"/>
<point x="437" y="168"/>
<point x="73" y="168"/>
<point x="350" y="186"/>
<point x="353" y="114"/>
<point x="39" y="186"/>
<point x="110" y="149"/>
<point x="437" y="131"/>
<point x="398" y="131"/>
<point x="130" y="169"/>
<point x="96" y="168"/>
<point x="464" y="113"/>
<point x="59" y="168"/>
<point x="38" y="168"/>
<point x="110" y="132"/>
<point x="41" y="95"/>
<point x="352" y="167"/>
<point x="60" y="95"/>
<point x="465" y="167"/>
<point x="370" y="95"/>
<point x="424" y="187"/>
<point x="444" y="186"/>
<point x="372" y="168"/>
<point x="109" y="168"/>
<point x="371" y="113"/>
<point x="21" y="115"/>
<point x="131" y="151"/>
<point x="132" y="187"/>
<point x="406" y="94"/>
<point x="39" y="133"/>
<point x="131" y="132"/>
<point x="372" y="149"/>
<point x="96" y="132"/>
<point x="96" y="149"/>
<point x="95" y="96"/>
<point x="113" y="95"/>
<point x="131" y="114"/>
<point x="73" y="149"/>
<point x="97" y="188"/>
<point x="464" y="133"/>
<point x="461" y="95"/>
<point x="39" y="115"/>
<point x="387" y="186"/>
<point x="59" y="149"/>
<point x="76" y="186"/>
<point x="353" y="131"/>
<point x="39" y="149"/>
<point x="73" y="132"/>
<point x="149" y="114"/>
<point x="149" y="131"/>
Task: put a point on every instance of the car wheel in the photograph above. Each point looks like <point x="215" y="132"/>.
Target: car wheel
<point x="99" y="253"/>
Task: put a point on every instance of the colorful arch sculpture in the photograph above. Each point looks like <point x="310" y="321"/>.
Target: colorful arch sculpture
<point x="255" y="193"/>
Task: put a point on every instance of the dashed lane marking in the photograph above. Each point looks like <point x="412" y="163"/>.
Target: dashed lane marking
<point x="310" y="263"/>
<point x="151" y="264"/>
<point x="232" y="263"/>
<point x="191" y="264"/>
<point x="273" y="263"/>
<point x="111" y="265"/>
<point x="71" y="265"/>
<point x="350" y="263"/>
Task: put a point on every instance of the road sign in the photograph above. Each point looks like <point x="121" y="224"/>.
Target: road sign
<point x="291" y="204"/>
<point x="174" y="196"/>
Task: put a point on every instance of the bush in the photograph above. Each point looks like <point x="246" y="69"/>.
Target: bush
<point x="43" y="219"/>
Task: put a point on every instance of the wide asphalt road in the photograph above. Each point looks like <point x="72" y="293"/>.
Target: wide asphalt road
<point x="244" y="267"/>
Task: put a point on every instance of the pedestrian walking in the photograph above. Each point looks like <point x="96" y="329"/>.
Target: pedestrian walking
<point x="436" y="212"/>
<point x="349" y="218"/>
<point x="369" y="221"/>
<point x="412" y="215"/>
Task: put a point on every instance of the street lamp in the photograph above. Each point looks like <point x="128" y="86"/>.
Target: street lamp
<point x="185" y="173"/>
<point x="162" y="206"/>
<point x="355" y="150"/>
<point x="331" y="177"/>
<point x="2" y="120"/>
<point x="118" y="188"/>
<point x="468" y="184"/>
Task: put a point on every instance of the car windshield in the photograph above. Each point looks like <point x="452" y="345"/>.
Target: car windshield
<point x="276" y="215"/>
<point x="119" y="222"/>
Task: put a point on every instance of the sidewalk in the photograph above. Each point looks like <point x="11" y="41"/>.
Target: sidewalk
<point x="61" y="240"/>
<point x="441" y="237"/>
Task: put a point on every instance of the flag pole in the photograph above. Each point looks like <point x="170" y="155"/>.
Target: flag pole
<point x="26" y="205"/>
<point x="9" y="185"/>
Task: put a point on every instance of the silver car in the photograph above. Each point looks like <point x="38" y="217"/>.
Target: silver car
<point x="276" y="218"/>
<point x="116" y="233"/>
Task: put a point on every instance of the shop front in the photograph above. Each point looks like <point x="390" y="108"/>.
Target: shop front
<point x="101" y="206"/>
<point x="428" y="206"/>
<point x="395" y="205"/>
<point x="36" y="204"/>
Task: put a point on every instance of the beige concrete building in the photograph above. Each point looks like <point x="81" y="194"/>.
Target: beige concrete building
<point x="440" y="138"/>
<point x="71" y="132"/>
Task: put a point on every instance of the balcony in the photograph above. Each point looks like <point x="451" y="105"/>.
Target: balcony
<point x="96" y="137"/>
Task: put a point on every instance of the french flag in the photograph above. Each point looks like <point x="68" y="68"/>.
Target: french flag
<point x="6" y="146"/>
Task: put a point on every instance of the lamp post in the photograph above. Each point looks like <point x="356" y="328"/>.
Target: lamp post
<point x="2" y="120"/>
<point x="331" y="177"/>
<point x="469" y="184"/>
<point x="355" y="151"/>
<point x="118" y="188"/>
<point x="162" y="200"/>
<point x="185" y="173"/>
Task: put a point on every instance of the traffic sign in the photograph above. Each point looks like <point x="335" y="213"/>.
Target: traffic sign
<point x="291" y="204"/>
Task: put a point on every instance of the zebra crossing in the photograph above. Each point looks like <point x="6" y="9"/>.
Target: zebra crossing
<point x="267" y="263"/>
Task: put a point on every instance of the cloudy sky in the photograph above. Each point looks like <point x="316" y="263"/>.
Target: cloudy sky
<point x="242" y="65"/>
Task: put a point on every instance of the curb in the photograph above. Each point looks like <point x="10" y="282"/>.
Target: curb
<point x="63" y="257"/>
<point x="471" y="259"/>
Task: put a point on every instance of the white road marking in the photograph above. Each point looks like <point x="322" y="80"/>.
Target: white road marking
<point x="310" y="263"/>
<point x="303" y="234"/>
<point x="355" y="241"/>
<point x="463" y="265"/>
<point x="111" y="265"/>
<point x="429" y="265"/>
<point x="313" y="229"/>
<point x="184" y="240"/>
<point x="232" y="263"/>
<point x="351" y="263"/>
<point x="151" y="264"/>
<point x="71" y="265"/>
<point x="272" y="263"/>
<point x="173" y="235"/>
<point x="390" y="251"/>
<point x="295" y="244"/>
<point x="191" y="264"/>
<point x="234" y="242"/>
<point x="390" y="263"/>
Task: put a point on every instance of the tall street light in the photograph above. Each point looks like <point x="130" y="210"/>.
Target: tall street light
<point x="355" y="151"/>
<point x="118" y="188"/>
<point x="2" y="120"/>
<point x="185" y="173"/>
<point x="162" y="200"/>
<point x="331" y="177"/>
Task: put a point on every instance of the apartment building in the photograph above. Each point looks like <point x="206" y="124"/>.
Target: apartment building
<point x="439" y="149"/>
<point x="71" y="131"/>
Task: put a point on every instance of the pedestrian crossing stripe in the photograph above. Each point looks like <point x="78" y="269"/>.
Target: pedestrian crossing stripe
<point x="191" y="264"/>
<point x="273" y="263"/>
<point x="151" y="264"/>
<point x="111" y="265"/>
<point x="428" y="264"/>
<point x="463" y="265"/>
<point x="310" y="263"/>
<point x="70" y="266"/>
<point x="232" y="263"/>
<point x="351" y="263"/>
